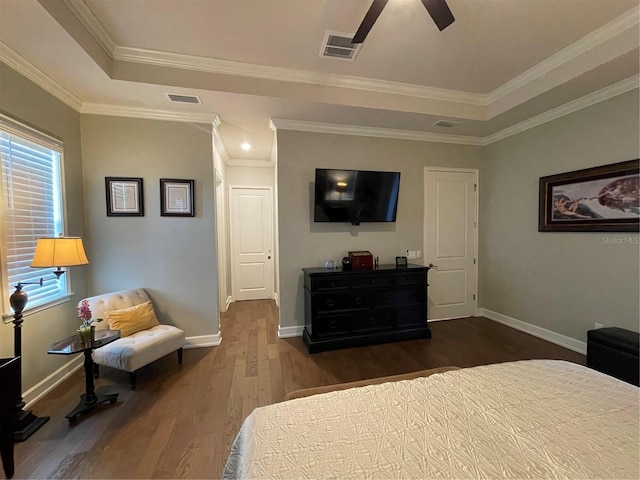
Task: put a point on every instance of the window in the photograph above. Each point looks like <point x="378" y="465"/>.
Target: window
<point x="31" y="208"/>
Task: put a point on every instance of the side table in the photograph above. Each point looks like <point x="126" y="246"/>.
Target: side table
<point x="71" y="345"/>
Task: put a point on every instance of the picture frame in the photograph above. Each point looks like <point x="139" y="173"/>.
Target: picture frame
<point x="124" y="197"/>
<point x="598" y="199"/>
<point x="177" y="197"/>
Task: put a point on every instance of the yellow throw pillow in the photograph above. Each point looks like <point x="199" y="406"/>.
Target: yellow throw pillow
<point x="133" y="319"/>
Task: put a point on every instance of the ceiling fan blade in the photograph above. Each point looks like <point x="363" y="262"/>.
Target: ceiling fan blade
<point x="369" y="19"/>
<point x="439" y="11"/>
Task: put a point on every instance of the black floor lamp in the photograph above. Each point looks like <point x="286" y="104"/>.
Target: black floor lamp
<point x="25" y="422"/>
<point x="50" y="252"/>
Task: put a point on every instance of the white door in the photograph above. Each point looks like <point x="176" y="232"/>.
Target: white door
<point x="251" y="242"/>
<point x="450" y="208"/>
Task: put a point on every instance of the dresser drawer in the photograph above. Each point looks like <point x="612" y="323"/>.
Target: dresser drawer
<point x="399" y="297"/>
<point x="410" y="317"/>
<point x="333" y="302"/>
<point x="409" y="279"/>
<point x="332" y="326"/>
<point x="329" y="282"/>
<point x="372" y="321"/>
<point x="362" y="281"/>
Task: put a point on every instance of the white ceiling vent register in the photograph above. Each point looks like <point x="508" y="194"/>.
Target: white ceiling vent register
<point x="174" y="97"/>
<point x="446" y="123"/>
<point x="338" y="45"/>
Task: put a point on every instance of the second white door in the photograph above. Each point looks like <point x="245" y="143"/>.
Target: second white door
<point x="251" y="242"/>
<point x="450" y="241"/>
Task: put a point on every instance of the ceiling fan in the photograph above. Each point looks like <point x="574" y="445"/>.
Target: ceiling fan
<point x="438" y="9"/>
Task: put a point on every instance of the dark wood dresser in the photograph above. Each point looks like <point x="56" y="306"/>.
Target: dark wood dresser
<point x="360" y="307"/>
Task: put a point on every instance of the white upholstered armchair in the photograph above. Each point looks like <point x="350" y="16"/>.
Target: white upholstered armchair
<point x="141" y="343"/>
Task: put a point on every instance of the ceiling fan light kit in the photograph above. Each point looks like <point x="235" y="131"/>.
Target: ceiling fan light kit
<point x="438" y="9"/>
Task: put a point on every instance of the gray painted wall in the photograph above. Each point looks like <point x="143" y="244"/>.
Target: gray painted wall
<point x="304" y="243"/>
<point x="27" y="102"/>
<point x="564" y="282"/>
<point x="174" y="258"/>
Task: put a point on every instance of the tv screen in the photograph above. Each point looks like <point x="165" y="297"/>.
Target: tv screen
<point x="355" y="196"/>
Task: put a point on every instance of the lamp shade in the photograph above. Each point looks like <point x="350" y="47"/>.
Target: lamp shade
<point x="59" y="252"/>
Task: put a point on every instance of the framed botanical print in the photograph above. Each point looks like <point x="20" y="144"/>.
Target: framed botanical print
<point x="124" y="197"/>
<point x="177" y="198"/>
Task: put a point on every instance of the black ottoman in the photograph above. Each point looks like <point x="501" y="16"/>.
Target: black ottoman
<point x="614" y="351"/>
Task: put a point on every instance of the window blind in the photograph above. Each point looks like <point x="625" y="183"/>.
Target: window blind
<point x="31" y="208"/>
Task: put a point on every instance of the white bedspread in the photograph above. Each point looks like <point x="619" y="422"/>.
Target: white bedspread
<point x="528" y="419"/>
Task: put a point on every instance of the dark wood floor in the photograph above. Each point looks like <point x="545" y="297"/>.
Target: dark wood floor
<point x="180" y="421"/>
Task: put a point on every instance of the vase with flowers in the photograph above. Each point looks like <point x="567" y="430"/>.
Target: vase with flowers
<point x="87" y="330"/>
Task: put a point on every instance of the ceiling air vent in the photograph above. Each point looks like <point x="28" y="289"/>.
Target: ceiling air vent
<point x="446" y="123"/>
<point x="174" y="97"/>
<point x="338" y="45"/>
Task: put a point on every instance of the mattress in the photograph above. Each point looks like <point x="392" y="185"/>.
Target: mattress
<point x="527" y="419"/>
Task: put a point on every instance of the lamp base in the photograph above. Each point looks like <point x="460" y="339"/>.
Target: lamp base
<point x="25" y="424"/>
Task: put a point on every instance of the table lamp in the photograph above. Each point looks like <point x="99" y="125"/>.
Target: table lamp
<point x="55" y="252"/>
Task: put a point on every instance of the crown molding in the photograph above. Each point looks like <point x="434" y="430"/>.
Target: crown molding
<point x="146" y="113"/>
<point x="37" y="76"/>
<point x="84" y="14"/>
<point x="218" y="141"/>
<point x="601" y="95"/>
<point x="264" y="72"/>
<point x="274" y="144"/>
<point x="615" y="27"/>
<point x="598" y="96"/>
<point x="317" y="127"/>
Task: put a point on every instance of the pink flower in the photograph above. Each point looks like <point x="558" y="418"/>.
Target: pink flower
<point x="84" y="312"/>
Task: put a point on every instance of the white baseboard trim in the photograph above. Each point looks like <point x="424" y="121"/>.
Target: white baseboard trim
<point x="276" y="297"/>
<point x="203" y="341"/>
<point x="43" y="387"/>
<point x="429" y="320"/>
<point x="288" y="332"/>
<point x="553" y="337"/>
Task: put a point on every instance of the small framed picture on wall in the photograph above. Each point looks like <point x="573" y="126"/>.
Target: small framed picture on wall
<point x="177" y="197"/>
<point x="124" y="197"/>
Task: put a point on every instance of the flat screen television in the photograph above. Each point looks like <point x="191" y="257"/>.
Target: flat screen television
<point x="355" y="196"/>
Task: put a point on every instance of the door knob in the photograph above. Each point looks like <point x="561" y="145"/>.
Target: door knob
<point x="431" y="265"/>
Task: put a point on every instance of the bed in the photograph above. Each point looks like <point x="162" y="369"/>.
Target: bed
<point x="526" y="419"/>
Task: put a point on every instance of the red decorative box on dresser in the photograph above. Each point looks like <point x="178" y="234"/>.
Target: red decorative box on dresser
<point x="361" y="260"/>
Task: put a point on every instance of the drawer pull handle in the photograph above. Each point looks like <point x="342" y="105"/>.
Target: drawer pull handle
<point x="333" y="324"/>
<point x="333" y="284"/>
<point x="386" y="297"/>
<point x="330" y="302"/>
<point x="359" y="300"/>
<point x="372" y="320"/>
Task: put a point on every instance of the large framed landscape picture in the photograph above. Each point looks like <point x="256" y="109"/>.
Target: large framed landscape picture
<point x="599" y="199"/>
